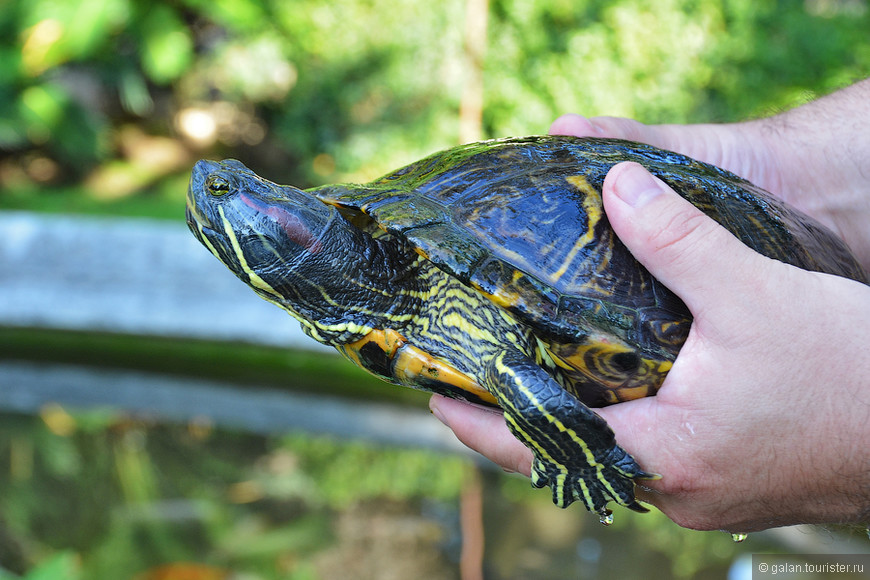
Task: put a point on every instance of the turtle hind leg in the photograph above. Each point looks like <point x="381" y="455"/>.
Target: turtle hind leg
<point x="575" y="451"/>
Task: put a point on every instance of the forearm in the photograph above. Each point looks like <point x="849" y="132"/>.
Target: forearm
<point x="821" y="154"/>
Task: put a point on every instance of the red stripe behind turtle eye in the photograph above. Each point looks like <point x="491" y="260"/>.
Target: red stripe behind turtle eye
<point x="294" y="227"/>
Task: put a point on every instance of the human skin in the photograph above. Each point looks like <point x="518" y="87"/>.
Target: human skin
<point x="764" y="419"/>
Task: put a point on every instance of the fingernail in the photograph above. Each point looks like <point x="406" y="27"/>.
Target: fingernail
<point x="433" y="408"/>
<point x="636" y="186"/>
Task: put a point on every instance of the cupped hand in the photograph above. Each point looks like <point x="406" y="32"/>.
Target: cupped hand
<point x="764" y="418"/>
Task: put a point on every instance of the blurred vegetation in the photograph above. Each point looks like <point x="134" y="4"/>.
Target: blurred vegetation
<point x="107" y="103"/>
<point x="104" y="495"/>
<point x="101" y="495"/>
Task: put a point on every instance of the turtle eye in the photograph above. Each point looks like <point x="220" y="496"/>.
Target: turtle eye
<point x="217" y="185"/>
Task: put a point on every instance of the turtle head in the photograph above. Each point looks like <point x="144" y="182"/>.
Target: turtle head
<point x="253" y="225"/>
<point x="264" y="232"/>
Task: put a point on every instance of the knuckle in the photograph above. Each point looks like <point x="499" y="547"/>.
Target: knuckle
<point x="684" y="229"/>
<point x="685" y="236"/>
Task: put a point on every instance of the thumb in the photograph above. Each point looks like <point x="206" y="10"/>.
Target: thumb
<point x="687" y="251"/>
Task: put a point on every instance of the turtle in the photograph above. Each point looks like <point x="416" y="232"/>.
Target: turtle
<point x="489" y="272"/>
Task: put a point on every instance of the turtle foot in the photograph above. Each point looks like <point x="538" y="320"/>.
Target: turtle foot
<point x="595" y="486"/>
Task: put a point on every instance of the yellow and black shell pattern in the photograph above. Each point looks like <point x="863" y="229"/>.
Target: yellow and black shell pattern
<point x="521" y="220"/>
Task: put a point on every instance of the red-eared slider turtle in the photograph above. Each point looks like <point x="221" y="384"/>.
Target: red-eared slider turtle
<point x="489" y="272"/>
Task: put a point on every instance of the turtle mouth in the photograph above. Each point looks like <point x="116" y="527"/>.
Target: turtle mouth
<point x="199" y="226"/>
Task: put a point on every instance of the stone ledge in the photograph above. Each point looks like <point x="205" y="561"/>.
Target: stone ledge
<point x="130" y="276"/>
<point x="31" y="386"/>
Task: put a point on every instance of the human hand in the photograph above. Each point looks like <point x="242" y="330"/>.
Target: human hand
<point x="815" y="157"/>
<point x="763" y="420"/>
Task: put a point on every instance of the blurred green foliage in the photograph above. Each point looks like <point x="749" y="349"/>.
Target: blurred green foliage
<point x="60" y="566"/>
<point x="308" y="92"/>
<point x="101" y="495"/>
<point x="105" y="495"/>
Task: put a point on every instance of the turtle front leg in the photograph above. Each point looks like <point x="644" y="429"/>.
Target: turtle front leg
<point x="575" y="450"/>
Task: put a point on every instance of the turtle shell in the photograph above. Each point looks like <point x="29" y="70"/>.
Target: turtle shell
<point x="522" y="221"/>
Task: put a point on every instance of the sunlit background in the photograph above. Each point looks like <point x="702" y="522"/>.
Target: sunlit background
<point x="104" y="107"/>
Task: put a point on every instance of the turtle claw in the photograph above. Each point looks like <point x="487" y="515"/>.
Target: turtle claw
<point x="594" y="487"/>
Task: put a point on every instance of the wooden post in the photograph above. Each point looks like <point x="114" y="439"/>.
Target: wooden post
<point x="471" y="102"/>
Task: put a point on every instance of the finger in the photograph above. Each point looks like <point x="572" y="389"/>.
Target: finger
<point x="577" y="126"/>
<point x="686" y="250"/>
<point x="722" y="145"/>
<point x="633" y="422"/>
<point x="483" y="430"/>
<point x="614" y="128"/>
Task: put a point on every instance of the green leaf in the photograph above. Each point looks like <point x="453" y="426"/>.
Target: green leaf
<point x="167" y="49"/>
<point x="62" y="566"/>
<point x="42" y="108"/>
